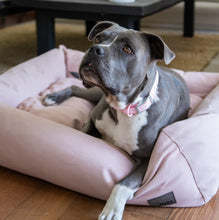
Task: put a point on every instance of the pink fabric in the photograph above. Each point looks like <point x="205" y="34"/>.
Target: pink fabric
<point x="59" y="154"/>
<point x="184" y="160"/>
<point x="71" y="55"/>
<point x="32" y="77"/>
<point x="73" y="112"/>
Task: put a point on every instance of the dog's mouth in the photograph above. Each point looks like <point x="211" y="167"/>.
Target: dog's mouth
<point x="86" y="71"/>
<point x="91" y="77"/>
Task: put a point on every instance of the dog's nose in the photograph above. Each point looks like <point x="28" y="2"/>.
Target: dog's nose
<point x="97" y="50"/>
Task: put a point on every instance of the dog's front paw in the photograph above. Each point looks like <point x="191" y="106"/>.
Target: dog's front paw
<point x="115" y="205"/>
<point x="110" y="214"/>
<point x="50" y="100"/>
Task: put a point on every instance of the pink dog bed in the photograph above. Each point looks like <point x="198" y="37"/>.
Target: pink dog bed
<point x="40" y="141"/>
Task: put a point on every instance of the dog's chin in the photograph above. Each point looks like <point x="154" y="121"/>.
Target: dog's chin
<point x="112" y="91"/>
<point x="88" y="85"/>
<point x="108" y="91"/>
<point x="87" y="74"/>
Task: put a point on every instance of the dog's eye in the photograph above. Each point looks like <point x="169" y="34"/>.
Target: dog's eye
<point x="127" y="49"/>
<point x="97" y="39"/>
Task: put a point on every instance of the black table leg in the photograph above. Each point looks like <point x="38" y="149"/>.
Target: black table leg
<point x="137" y="25"/>
<point x="128" y="22"/>
<point x="45" y="32"/>
<point x="89" y="26"/>
<point x="189" y="11"/>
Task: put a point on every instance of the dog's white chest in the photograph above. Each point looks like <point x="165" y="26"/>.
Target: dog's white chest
<point x="124" y="134"/>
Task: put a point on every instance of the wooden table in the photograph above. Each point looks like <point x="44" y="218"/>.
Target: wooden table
<point x="127" y="15"/>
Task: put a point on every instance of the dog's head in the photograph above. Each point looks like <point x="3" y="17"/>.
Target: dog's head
<point x="119" y="59"/>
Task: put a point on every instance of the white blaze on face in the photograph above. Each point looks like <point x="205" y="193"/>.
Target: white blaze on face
<point x="108" y="45"/>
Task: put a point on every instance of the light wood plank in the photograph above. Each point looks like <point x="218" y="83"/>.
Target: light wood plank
<point x="139" y="216"/>
<point x="49" y="202"/>
<point x="150" y="211"/>
<point x="84" y="208"/>
<point x="89" y="208"/>
<point x="215" y="210"/>
<point x="206" y="212"/>
<point x="14" y="189"/>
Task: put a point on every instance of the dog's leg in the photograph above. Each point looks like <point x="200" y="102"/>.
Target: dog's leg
<point x="92" y="95"/>
<point x="57" y="97"/>
<point x="122" y="192"/>
<point x="90" y="128"/>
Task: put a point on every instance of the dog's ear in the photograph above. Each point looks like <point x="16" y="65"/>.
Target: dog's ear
<point x="159" y="50"/>
<point x="99" y="28"/>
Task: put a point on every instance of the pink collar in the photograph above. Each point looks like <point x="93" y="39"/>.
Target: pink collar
<point x="133" y="109"/>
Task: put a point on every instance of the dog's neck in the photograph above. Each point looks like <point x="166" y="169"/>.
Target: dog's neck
<point x="140" y="104"/>
<point x="140" y="99"/>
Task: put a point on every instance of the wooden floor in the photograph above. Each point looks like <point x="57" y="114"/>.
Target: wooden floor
<point x="26" y="198"/>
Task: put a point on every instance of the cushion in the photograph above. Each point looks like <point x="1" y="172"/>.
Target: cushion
<point x="183" y="169"/>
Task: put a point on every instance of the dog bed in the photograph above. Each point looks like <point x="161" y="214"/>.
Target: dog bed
<point x="39" y="141"/>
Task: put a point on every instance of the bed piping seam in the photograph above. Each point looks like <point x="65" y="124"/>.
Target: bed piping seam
<point x="188" y="165"/>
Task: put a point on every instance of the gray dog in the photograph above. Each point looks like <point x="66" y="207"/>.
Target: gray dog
<point x="134" y="99"/>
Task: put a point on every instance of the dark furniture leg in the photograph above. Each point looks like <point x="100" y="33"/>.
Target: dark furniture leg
<point x="189" y="9"/>
<point x="137" y="25"/>
<point x="45" y="32"/>
<point x="128" y="22"/>
<point x="89" y="25"/>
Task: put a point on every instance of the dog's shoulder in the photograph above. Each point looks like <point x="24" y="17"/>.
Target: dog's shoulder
<point x="174" y="92"/>
<point x="170" y="76"/>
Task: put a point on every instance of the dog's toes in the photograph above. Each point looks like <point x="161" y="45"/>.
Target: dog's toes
<point x="102" y="216"/>
<point x="110" y="215"/>
<point x="50" y="100"/>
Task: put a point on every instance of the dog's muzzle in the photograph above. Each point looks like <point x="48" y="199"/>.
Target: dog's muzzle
<point x="91" y="73"/>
